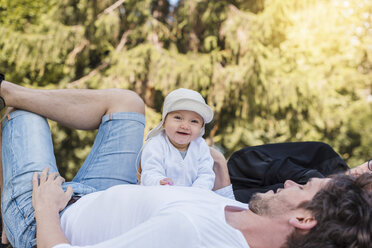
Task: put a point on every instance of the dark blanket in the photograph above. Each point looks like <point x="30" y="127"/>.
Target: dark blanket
<point x="266" y="167"/>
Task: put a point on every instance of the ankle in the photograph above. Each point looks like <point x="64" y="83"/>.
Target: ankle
<point x="6" y="88"/>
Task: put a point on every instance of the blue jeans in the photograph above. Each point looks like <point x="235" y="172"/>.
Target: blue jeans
<point x="27" y="148"/>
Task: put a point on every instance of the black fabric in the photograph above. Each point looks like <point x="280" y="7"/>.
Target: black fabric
<point x="266" y="167"/>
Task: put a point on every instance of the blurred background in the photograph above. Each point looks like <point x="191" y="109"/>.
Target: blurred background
<point x="272" y="70"/>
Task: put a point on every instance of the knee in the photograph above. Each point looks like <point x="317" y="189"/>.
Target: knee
<point x="23" y="116"/>
<point x="122" y="100"/>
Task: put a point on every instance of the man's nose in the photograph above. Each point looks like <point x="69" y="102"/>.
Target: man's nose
<point x="290" y="183"/>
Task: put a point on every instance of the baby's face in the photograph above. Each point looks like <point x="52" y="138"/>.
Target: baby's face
<point x="182" y="127"/>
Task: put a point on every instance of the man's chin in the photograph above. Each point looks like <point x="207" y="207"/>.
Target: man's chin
<point x="259" y="204"/>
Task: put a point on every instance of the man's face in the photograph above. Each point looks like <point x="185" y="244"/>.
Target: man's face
<point x="286" y="199"/>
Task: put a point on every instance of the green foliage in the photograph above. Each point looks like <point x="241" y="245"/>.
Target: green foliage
<point x="196" y="21"/>
<point x="273" y="71"/>
<point x="17" y="14"/>
<point x="38" y="52"/>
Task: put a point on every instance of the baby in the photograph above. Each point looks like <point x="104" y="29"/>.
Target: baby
<point x="175" y="152"/>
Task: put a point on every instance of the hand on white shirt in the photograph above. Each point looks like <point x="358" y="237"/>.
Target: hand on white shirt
<point x="166" y="181"/>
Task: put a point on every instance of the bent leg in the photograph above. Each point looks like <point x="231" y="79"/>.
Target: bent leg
<point x="27" y="145"/>
<point x="75" y="108"/>
<point x="114" y="156"/>
<point x="26" y="148"/>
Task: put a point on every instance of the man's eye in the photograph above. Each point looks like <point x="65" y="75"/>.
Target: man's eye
<point x="177" y="117"/>
<point x="195" y="121"/>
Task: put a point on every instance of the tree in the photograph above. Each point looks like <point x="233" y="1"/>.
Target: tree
<point x="273" y="71"/>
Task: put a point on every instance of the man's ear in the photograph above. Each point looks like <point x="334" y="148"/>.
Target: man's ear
<point x="303" y="220"/>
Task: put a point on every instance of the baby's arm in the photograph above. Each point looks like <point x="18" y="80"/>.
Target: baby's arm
<point x="206" y="174"/>
<point x="152" y="163"/>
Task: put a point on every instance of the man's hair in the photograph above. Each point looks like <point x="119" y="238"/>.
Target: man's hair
<point x="343" y="210"/>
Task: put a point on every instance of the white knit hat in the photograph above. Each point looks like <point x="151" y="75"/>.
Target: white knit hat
<point x="183" y="99"/>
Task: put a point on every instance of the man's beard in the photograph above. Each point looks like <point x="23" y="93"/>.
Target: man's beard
<point x="259" y="205"/>
<point x="269" y="205"/>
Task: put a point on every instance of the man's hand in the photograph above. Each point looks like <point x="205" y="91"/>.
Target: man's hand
<point x="47" y="193"/>
<point x="366" y="167"/>
<point x="48" y="199"/>
<point x="166" y="181"/>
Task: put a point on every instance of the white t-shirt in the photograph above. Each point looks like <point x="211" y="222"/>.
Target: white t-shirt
<point x="151" y="217"/>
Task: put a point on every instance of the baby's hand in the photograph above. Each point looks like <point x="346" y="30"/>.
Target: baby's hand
<point x="166" y="181"/>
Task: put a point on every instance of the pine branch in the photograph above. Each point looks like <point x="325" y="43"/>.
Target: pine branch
<point x="71" y="57"/>
<point x="123" y="40"/>
<point x="102" y="66"/>
<point x="111" y="8"/>
<point x="91" y="74"/>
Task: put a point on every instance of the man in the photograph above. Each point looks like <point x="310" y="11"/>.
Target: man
<point x="141" y="216"/>
<point x="338" y="216"/>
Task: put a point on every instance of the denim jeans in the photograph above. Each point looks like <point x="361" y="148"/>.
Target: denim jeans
<point x="27" y="148"/>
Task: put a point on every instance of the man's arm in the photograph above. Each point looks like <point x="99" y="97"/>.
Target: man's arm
<point x="48" y="199"/>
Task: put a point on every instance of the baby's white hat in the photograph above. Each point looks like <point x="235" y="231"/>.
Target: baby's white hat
<point x="183" y="99"/>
